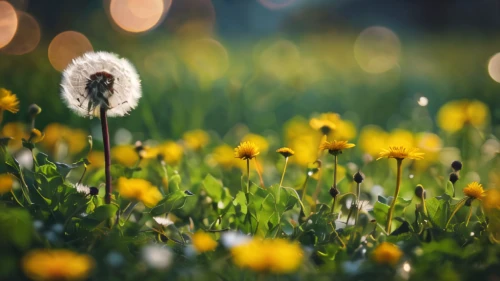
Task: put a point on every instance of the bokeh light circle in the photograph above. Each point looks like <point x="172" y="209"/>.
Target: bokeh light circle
<point x="494" y="67"/>
<point x="206" y="57"/>
<point x="66" y="46"/>
<point x="191" y="19"/>
<point x="8" y="23"/>
<point x="276" y="4"/>
<point x="27" y="35"/>
<point x="377" y="49"/>
<point x="281" y="60"/>
<point x="138" y="15"/>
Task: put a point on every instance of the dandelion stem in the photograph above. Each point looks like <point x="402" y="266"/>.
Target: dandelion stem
<point x="15" y="198"/>
<point x="469" y="216"/>
<point x="107" y="154"/>
<point x="395" y="199"/>
<point x="248" y="176"/>
<point x="335" y="171"/>
<point x="304" y="188"/>
<point x="281" y="181"/>
<point x="333" y="204"/>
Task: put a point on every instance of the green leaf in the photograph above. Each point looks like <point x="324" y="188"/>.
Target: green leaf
<point x="103" y="212"/>
<point x="16" y="228"/>
<point x="64" y="169"/>
<point x="449" y="189"/>
<point x="240" y="203"/>
<point x="173" y="201"/>
<point x="213" y="187"/>
<point x="380" y="211"/>
<point x="437" y="211"/>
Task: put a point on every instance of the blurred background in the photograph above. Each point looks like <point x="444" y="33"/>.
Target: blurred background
<point x="213" y="64"/>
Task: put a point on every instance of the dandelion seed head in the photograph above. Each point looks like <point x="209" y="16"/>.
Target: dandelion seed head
<point x="164" y="221"/>
<point x="118" y="73"/>
<point x="157" y="257"/>
<point x="80" y="188"/>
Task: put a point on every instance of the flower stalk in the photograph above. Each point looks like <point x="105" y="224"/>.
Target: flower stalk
<point x="107" y="154"/>
<point x="395" y="199"/>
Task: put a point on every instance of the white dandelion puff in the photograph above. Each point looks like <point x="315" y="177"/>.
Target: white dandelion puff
<point x="164" y="221"/>
<point x="157" y="257"/>
<point x="232" y="239"/>
<point x="80" y="188"/>
<point x="98" y="79"/>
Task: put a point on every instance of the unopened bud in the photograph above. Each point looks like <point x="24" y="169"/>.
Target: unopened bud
<point x="420" y="192"/>
<point x="454" y="177"/>
<point x="358" y="177"/>
<point x="456" y="165"/>
<point x="334" y="192"/>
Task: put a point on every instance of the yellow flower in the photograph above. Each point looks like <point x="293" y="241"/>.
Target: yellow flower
<point x="335" y="147"/>
<point x="8" y="101"/>
<point x="400" y="152"/>
<point x="49" y="265"/>
<point x="431" y="145"/>
<point x="6" y="183"/>
<point x="203" y="242"/>
<point x="258" y="140"/>
<point x="454" y="115"/>
<point x="491" y="199"/>
<point x="139" y="189"/>
<point x="387" y="253"/>
<point x="246" y="150"/>
<point x="96" y="159"/>
<point x="125" y="155"/>
<point x="474" y="190"/>
<point x="372" y="139"/>
<point x="401" y="137"/>
<point x="326" y="122"/>
<point x="171" y="152"/>
<point x="285" y="151"/>
<point x="223" y="155"/>
<point x="17" y="131"/>
<point x="345" y="130"/>
<point x="277" y="256"/>
<point x="36" y="136"/>
<point x="57" y="135"/>
<point x="196" y="139"/>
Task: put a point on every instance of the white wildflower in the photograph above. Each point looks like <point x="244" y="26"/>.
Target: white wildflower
<point x="80" y="188"/>
<point x="164" y="221"/>
<point x="156" y="256"/>
<point x="98" y="79"/>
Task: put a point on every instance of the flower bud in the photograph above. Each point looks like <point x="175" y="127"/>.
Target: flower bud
<point x="420" y="192"/>
<point x="34" y="110"/>
<point x="358" y="177"/>
<point x="454" y="177"/>
<point x="334" y="192"/>
<point x="94" y="191"/>
<point x="456" y="165"/>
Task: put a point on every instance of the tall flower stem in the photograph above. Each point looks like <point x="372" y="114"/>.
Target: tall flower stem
<point x="304" y="188"/>
<point x="334" y="179"/>
<point x="333" y="204"/>
<point x="281" y="181"/>
<point x="248" y="176"/>
<point x="395" y="199"/>
<point x="107" y="153"/>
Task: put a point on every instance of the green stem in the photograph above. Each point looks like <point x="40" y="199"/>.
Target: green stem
<point x="395" y="199"/>
<point x="281" y="182"/>
<point x="335" y="171"/>
<point x="304" y="188"/>
<point x="15" y="198"/>
<point x="333" y="204"/>
<point x="248" y="176"/>
<point x="458" y="206"/>
<point x="469" y="216"/>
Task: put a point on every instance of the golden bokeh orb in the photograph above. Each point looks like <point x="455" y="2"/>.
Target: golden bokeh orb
<point x="494" y="67"/>
<point x="27" y="35"/>
<point x="8" y="23"/>
<point x="138" y="15"/>
<point x="377" y="49"/>
<point x="66" y="46"/>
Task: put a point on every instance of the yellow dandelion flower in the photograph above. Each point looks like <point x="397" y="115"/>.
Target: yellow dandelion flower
<point x="454" y="115"/>
<point x="57" y="135"/>
<point x="8" y="101"/>
<point x="36" y="136"/>
<point x="474" y="190"/>
<point x="387" y="253"/>
<point x="372" y="139"/>
<point x="491" y="199"/>
<point x="125" y="155"/>
<point x="223" y="156"/>
<point x="171" y="152"/>
<point x="401" y="137"/>
<point x="17" y="131"/>
<point x="48" y="265"/>
<point x="345" y="130"/>
<point x="401" y="152"/>
<point x="335" y="147"/>
<point x="271" y="255"/>
<point x="326" y="122"/>
<point x="96" y="159"/>
<point x="6" y="183"/>
<point x="196" y="139"/>
<point x="203" y="242"/>
<point x="285" y="151"/>
<point x="246" y="151"/>
<point x="140" y="190"/>
<point x="258" y="140"/>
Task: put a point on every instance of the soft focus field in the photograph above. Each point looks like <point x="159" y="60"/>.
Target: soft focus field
<point x="269" y="143"/>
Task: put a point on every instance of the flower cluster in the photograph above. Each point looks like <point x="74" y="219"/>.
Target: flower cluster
<point x="140" y="190"/>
